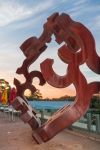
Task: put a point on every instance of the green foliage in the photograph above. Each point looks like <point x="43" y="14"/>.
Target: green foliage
<point x="64" y="98"/>
<point x="35" y="96"/>
<point x="4" y="85"/>
<point x="95" y="102"/>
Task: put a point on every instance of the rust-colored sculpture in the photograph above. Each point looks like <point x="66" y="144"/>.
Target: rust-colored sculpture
<point x="79" y="48"/>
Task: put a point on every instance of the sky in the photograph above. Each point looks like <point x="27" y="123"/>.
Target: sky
<point x="21" y="19"/>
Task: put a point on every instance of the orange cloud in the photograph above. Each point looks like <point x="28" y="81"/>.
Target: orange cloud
<point x="47" y="91"/>
<point x="51" y="92"/>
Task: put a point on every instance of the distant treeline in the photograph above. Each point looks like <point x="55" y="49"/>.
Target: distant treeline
<point x="63" y="98"/>
<point x="95" y="100"/>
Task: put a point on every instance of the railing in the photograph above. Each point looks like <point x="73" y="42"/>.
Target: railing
<point x="89" y="122"/>
<point x="7" y="112"/>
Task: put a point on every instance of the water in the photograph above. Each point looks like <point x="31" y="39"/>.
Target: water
<point x="48" y="104"/>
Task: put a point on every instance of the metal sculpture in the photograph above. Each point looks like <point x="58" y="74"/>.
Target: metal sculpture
<point x="79" y="48"/>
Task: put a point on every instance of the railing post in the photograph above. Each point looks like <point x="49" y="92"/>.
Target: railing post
<point x="89" y="121"/>
<point x="97" y="123"/>
<point x="42" y="113"/>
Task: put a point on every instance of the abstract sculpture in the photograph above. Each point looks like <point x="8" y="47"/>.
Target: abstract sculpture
<point x="79" y="48"/>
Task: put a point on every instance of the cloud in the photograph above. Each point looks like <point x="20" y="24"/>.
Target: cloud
<point x="83" y="7"/>
<point x="77" y="3"/>
<point x="10" y="56"/>
<point x="77" y="8"/>
<point x="89" y="74"/>
<point x="30" y="23"/>
<point x="97" y="21"/>
<point x="46" y="91"/>
<point x="11" y="11"/>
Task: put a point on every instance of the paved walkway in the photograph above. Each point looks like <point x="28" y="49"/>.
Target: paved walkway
<point x="17" y="136"/>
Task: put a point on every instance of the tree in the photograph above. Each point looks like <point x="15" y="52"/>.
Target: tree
<point x="95" y="102"/>
<point x="4" y="87"/>
<point x="4" y="84"/>
<point x="34" y="96"/>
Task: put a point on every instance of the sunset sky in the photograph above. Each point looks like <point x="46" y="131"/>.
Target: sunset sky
<point x="21" y="19"/>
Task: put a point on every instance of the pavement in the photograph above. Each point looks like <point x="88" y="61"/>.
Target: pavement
<point x="15" y="135"/>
